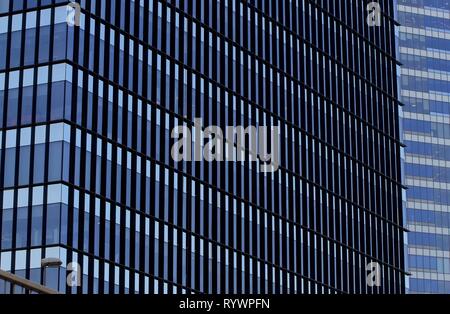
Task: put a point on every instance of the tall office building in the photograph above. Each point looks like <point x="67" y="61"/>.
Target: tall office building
<point x="425" y="54"/>
<point x="87" y="112"/>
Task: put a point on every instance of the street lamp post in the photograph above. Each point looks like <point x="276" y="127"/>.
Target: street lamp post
<point x="49" y="263"/>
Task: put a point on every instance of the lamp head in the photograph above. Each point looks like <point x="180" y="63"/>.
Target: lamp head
<point x="51" y="262"/>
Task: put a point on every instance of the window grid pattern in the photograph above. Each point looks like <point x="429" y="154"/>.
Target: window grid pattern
<point x="105" y="96"/>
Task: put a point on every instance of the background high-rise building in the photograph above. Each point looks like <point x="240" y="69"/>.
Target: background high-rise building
<point x="425" y="83"/>
<point x="86" y="115"/>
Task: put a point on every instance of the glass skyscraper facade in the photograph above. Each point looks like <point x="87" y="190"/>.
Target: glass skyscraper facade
<point x="425" y="83"/>
<point x="86" y="118"/>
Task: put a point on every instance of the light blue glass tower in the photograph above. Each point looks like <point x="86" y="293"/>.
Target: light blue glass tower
<point x="425" y="91"/>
